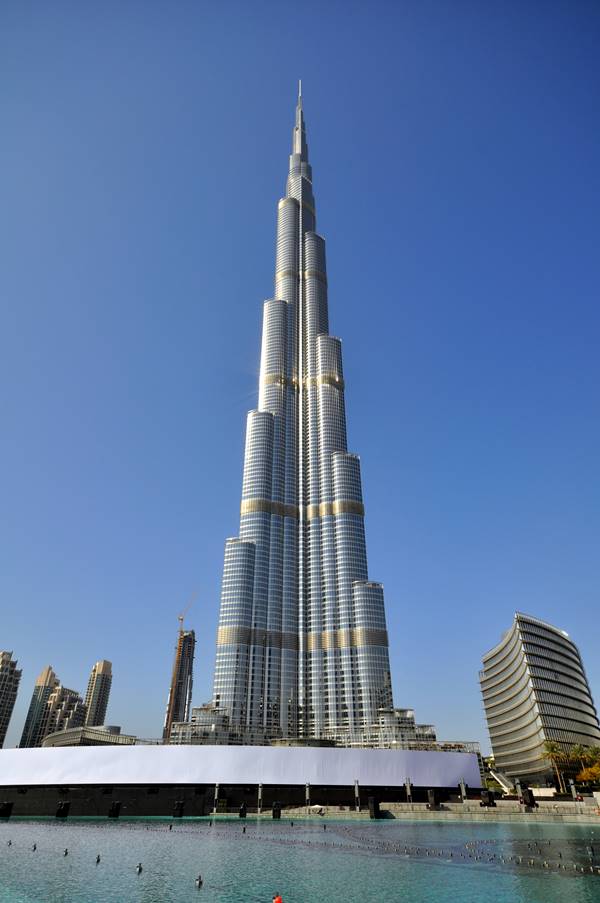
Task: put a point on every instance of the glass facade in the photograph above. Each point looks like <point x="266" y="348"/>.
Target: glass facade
<point x="302" y="648"/>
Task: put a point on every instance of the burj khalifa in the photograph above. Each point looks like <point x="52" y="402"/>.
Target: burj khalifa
<point x="302" y="645"/>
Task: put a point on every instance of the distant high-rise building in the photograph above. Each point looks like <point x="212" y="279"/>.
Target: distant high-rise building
<point x="535" y="690"/>
<point x="180" y="691"/>
<point x="37" y="715"/>
<point x="302" y="644"/>
<point x="66" y="709"/>
<point x="98" y="691"/>
<point x="9" y="685"/>
<point x="52" y="708"/>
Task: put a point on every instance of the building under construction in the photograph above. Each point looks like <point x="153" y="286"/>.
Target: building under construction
<point x="180" y="692"/>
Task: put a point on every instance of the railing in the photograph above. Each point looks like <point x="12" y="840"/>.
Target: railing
<point x="190" y="738"/>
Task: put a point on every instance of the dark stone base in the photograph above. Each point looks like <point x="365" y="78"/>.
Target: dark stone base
<point x="179" y="801"/>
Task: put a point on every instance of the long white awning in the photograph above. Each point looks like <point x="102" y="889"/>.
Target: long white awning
<point x="236" y="765"/>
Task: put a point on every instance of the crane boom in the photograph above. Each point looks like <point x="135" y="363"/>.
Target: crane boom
<point x="181" y="616"/>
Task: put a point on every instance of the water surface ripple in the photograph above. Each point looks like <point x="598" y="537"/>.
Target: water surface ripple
<point x="352" y="861"/>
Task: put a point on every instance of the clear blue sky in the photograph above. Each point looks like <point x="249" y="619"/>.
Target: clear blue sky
<point x="456" y="153"/>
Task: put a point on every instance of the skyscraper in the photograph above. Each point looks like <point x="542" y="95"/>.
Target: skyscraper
<point x="535" y="690"/>
<point x="180" y="692"/>
<point x="98" y="691"/>
<point x="52" y="708"/>
<point x="302" y="646"/>
<point x="34" y="730"/>
<point x="9" y="685"/>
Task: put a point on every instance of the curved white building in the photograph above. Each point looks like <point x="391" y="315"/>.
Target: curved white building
<point x="535" y="690"/>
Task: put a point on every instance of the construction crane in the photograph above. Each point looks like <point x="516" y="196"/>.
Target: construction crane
<point x="180" y="617"/>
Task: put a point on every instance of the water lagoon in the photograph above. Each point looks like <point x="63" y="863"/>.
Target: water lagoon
<point x="424" y="862"/>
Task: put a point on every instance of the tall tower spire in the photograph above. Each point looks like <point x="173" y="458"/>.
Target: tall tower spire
<point x="302" y="646"/>
<point x="299" y="146"/>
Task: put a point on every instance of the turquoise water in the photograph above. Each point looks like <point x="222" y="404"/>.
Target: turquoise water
<point x="353" y="862"/>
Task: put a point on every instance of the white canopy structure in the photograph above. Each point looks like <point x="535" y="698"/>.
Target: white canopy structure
<point x="265" y="765"/>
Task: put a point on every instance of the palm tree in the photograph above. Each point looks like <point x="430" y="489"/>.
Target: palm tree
<point x="580" y="754"/>
<point x="555" y="753"/>
<point x="593" y="755"/>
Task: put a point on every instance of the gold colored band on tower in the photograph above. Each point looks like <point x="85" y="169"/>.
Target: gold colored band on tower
<point x="290" y="200"/>
<point x="279" y="379"/>
<point x="284" y="274"/>
<point x="233" y="636"/>
<point x="315" y="274"/>
<point x="349" y="638"/>
<point x="326" y="509"/>
<point x="349" y="507"/>
<point x="325" y="379"/>
<point x="266" y="506"/>
<point x="246" y="636"/>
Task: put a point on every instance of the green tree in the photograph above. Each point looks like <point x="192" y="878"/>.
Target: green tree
<point x="555" y="753"/>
